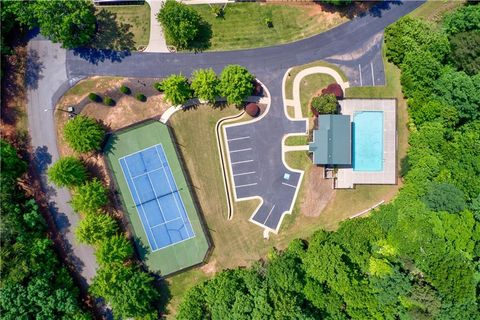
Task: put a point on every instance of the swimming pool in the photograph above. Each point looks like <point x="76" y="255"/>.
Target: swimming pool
<point x="367" y="136"/>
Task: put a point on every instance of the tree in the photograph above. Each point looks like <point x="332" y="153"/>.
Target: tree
<point x="465" y="18"/>
<point x="325" y="104"/>
<point x="457" y="89"/>
<point x="96" y="227"/>
<point x="71" y="23"/>
<point x="90" y="197"/>
<point x="115" y="249"/>
<point x="444" y="197"/>
<point x="466" y="51"/>
<point x="84" y="134"/>
<point x="205" y="84"/>
<point x="11" y="165"/>
<point x="129" y="291"/>
<point x="236" y="84"/>
<point x="408" y="34"/>
<point x="176" y="89"/>
<point x="181" y="23"/>
<point x="338" y="2"/>
<point x="419" y="71"/>
<point x="67" y="172"/>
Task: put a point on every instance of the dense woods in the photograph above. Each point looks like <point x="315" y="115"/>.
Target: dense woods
<point x="414" y="258"/>
<point x="34" y="284"/>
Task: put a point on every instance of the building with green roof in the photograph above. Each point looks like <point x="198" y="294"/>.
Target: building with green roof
<point x="332" y="141"/>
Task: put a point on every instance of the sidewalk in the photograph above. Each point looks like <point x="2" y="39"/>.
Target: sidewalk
<point x="156" y="42"/>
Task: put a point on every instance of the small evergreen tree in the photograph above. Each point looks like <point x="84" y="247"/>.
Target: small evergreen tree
<point x="67" y="172"/>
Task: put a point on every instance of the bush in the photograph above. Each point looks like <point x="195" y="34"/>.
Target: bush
<point x="125" y="90"/>
<point x="114" y="250"/>
<point x="67" y="172"/>
<point x="466" y="51"/>
<point x="444" y="197"/>
<point x="90" y="197"/>
<point x="83" y="134"/>
<point x="177" y="90"/>
<point x="236" y="84"/>
<point x="96" y="227"/>
<point x="268" y="22"/>
<point x="94" y="97"/>
<point x="108" y="101"/>
<point x="205" y="84"/>
<point x="463" y="19"/>
<point x="158" y="86"/>
<point x="141" y="97"/>
<point x="218" y="11"/>
<point x="325" y="104"/>
<point x="181" y="23"/>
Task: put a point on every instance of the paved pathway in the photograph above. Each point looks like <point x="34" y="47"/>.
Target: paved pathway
<point x="156" y="43"/>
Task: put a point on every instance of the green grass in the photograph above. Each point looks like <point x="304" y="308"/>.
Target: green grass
<point x="309" y="86"/>
<point x="180" y="255"/>
<point x="243" y="25"/>
<point x="298" y="159"/>
<point x="433" y="10"/>
<point x="296" y="141"/>
<point x="129" y="19"/>
<point x="296" y="70"/>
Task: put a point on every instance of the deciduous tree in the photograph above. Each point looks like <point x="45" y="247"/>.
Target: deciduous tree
<point x="90" y="197"/>
<point x="67" y="172"/>
<point x="84" y="134"/>
<point x="96" y="227"/>
<point x="236" y="84"/>
<point x="176" y="88"/>
<point x="115" y="249"/>
<point x="325" y="104"/>
<point x="205" y="84"/>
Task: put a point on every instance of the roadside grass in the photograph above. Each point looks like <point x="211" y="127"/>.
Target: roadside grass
<point x="296" y="141"/>
<point x="243" y="24"/>
<point x="297" y="69"/>
<point x="129" y="24"/>
<point x="309" y="87"/>
<point x="433" y="10"/>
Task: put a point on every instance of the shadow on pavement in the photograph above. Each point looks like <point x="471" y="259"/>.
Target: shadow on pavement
<point x="34" y="70"/>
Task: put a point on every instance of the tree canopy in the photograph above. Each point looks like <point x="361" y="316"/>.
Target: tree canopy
<point x="466" y="51"/>
<point x="90" y="197"/>
<point x="67" y="172"/>
<point x="236" y="84"/>
<point x="176" y="89"/>
<point x="205" y="84"/>
<point x="325" y="104"/>
<point x="96" y="227"/>
<point x="84" y="134"/>
<point x="113" y="250"/>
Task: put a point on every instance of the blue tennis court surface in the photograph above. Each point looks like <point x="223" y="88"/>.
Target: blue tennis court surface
<point x="156" y="197"/>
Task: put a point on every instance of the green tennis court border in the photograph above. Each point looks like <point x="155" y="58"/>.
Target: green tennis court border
<point x="180" y="255"/>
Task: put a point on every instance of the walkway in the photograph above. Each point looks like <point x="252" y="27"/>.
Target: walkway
<point x="157" y="41"/>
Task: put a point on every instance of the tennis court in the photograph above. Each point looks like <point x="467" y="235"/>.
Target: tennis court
<point x="156" y="197"/>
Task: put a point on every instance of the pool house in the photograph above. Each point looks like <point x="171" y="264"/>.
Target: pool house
<point x="360" y="143"/>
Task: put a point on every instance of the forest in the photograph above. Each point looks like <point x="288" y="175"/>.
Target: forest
<point x="416" y="257"/>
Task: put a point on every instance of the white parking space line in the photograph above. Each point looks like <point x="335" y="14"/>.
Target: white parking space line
<point x="246" y="185"/>
<point x="269" y="213"/>
<point x="289" y="185"/>
<point x="360" y="69"/>
<point x="240" y="150"/>
<point x="244" y="161"/>
<point x="373" y="77"/>
<point x="245" y="173"/>
<point x="241" y="138"/>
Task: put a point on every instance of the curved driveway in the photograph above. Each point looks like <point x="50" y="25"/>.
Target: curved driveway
<point x="53" y="71"/>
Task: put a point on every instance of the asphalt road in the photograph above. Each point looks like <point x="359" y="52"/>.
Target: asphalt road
<point x="52" y="71"/>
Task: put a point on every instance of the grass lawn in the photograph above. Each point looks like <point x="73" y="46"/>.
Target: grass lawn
<point x="243" y="25"/>
<point x="296" y="141"/>
<point x="309" y="87"/>
<point x="433" y="10"/>
<point x="129" y="24"/>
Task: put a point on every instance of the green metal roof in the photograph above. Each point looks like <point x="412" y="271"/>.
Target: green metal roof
<point x="332" y="141"/>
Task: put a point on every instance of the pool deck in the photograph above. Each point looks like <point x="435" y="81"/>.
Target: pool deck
<point x="347" y="177"/>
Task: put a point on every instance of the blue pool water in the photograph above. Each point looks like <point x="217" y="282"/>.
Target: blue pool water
<point x="367" y="141"/>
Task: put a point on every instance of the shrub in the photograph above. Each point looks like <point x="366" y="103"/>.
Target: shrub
<point x="114" y="250"/>
<point x="444" y="197"/>
<point x="177" y="90"/>
<point x="94" y="97"/>
<point x="96" y="227"/>
<point x="141" y="97"/>
<point x="268" y="22"/>
<point x="90" y="197"/>
<point x="67" y="172"/>
<point x="108" y="101"/>
<point x="236" y="84"/>
<point x="466" y="51"/>
<point x="218" y="11"/>
<point x="325" y="104"/>
<point x="125" y="90"/>
<point x="205" y="84"/>
<point x="83" y="134"/>
<point x="158" y="86"/>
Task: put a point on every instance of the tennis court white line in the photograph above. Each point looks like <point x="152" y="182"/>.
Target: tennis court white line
<point x="144" y="215"/>
<point x="240" y="150"/>
<point x="176" y="187"/>
<point x="268" y="216"/>
<point x="244" y="161"/>
<point x="241" y="138"/>
<point x="161" y="224"/>
<point x="131" y="154"/>
<point x="245" y="173"/>
<point x="246" y="185"/>
<point x="290" y="185"/>
<point x="142" y="174"/>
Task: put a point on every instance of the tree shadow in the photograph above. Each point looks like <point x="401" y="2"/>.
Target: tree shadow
<point x="41" y="158"/>
<point x="202" y="41"/>
<point x="33" y="70"/>
<point x="113" y="40"/>
<point x="359" y="9"/>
